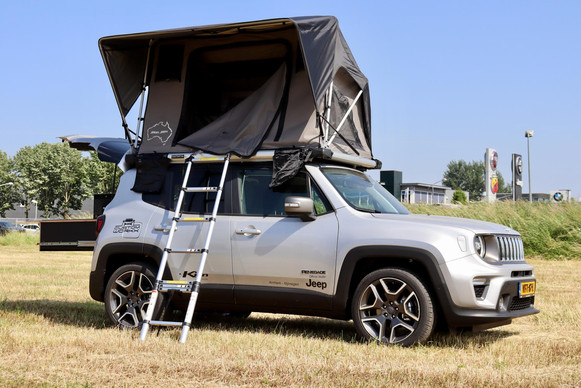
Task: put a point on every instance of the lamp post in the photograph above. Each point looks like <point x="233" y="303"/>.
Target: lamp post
<point x="528" y="135"/>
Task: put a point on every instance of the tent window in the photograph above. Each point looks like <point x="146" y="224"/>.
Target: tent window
<point x="218" y="79"/>
<point x="170" y="62"/>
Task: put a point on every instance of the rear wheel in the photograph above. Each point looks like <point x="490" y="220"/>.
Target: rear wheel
<point x="128" y="292"/>
<point x="394" y="307"/>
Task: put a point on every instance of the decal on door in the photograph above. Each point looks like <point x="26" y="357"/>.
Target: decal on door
<point x="129" y="228"/>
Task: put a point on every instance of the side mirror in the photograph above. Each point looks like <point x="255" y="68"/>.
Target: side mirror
<point x="302" y="207"/>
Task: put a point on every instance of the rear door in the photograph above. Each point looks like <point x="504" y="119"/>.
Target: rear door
<point x="217" y="280"/>
<point x="280" y="261"/>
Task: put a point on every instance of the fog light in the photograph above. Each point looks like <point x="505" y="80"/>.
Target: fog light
<point x="501" y="303"/>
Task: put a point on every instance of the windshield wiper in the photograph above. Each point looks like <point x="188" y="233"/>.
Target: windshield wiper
<point x="361" y="209"/>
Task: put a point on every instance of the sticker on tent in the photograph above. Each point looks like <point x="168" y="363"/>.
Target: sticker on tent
<point x="161" y="130"/>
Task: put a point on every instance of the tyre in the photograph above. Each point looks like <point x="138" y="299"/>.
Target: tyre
<point x="127" y="295"/>
<point x="393" y="306"/>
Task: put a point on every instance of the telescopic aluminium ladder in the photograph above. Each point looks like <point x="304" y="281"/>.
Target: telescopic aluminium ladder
<point x="192" y="287"/>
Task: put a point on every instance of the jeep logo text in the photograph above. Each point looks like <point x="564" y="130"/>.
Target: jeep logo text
<point x="315" y="284"/>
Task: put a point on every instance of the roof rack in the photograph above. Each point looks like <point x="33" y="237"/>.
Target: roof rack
<point x="267" y="155"/>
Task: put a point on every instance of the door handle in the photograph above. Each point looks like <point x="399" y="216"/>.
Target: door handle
<point x="249" y="231"/>
<point x="162" y="228"/>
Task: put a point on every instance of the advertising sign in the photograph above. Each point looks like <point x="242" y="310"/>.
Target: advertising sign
<point x="490" y="164"/>
<point x="517" y="168"/>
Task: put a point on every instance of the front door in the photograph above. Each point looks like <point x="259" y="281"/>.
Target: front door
<point x="279" y="260"/>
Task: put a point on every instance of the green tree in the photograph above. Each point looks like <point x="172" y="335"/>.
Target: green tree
<point x="9" y="184"/>
<point x="459" y="197"/>
<point x="466" y="176"/>
<point x="101" y="174"/>
<point x="55" y="175"/>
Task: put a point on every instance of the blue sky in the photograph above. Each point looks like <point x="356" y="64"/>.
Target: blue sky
<point x="448" y="79"/>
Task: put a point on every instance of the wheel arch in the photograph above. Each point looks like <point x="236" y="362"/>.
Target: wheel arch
<point x="115" y="255"/>
<point x="361" y="261"/>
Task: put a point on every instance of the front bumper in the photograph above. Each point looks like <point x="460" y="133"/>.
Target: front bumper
<point x="483" y="295"/>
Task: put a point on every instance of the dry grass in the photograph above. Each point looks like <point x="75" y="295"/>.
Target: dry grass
<point x="53" y="334"/>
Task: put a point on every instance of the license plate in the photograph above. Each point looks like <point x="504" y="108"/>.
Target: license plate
<point x="526" y="288"/>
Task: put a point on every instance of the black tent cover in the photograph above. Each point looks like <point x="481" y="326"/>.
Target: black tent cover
<point x="285" y="107"/>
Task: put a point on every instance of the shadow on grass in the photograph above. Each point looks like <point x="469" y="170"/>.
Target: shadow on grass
<point x="88" y="314"/>
<point x="299" y="326"/>
<point x="92" y="314"/>
<point x="321" y="328"/>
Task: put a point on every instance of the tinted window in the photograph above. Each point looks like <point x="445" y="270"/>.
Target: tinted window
<point x="256" y="198"/>
<point x="200" y="176"/>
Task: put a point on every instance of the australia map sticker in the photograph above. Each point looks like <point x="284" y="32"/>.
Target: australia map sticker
<point x="161" y="131"/>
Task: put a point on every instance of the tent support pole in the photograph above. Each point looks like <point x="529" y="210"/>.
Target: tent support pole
<point x="341" y="136"/>
<point x="345" y="117"/>
<point x="328" y="114"/>
<point x="143" y="90"/>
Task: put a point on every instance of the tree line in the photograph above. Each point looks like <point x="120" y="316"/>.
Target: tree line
<point x="54" y="175"/>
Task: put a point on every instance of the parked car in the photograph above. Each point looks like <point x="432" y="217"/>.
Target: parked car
<point x="300" y="227"/>
<point x="30" y="228"/>
<point x="6" y="227"/>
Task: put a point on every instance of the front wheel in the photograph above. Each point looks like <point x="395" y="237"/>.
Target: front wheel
<point x="393" y="306"/>
<point x="128" y="292"/>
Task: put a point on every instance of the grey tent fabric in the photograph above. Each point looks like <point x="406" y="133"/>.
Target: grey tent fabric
<point x="241" y="87"/>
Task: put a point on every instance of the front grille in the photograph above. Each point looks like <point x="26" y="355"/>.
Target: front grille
<point x="521" y="303"/>
<point x="520" y="274"/>
<point x="510" y="248"/>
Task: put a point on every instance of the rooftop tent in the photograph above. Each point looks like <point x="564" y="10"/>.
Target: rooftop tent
<point x="243" y="87"/>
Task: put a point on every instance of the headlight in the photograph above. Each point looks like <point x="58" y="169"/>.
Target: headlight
<point x="480" y="246"/>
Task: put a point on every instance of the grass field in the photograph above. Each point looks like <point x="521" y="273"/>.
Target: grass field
<point x="52" y="334"/>
<point x="550" y="230"/>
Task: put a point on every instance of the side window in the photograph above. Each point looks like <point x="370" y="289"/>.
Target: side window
<point x="199" y="203"/>
<point x="256" y="198"/>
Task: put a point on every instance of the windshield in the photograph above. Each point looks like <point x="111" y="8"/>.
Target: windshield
<point x="362" y="192"/>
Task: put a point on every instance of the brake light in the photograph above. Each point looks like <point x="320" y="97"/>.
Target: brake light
<point x="99" y="225"/>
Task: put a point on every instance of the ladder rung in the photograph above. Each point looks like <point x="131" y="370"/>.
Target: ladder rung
<point x="165" y="323"/>
<point x="187" y="250"/>
<point x="200" y="189"/>
<point x="194" y="219"/>
<point x="175" y="285"/>
<point x="208" y="159"/>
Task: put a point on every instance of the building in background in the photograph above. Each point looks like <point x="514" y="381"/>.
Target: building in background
<point x="426" y="193"/>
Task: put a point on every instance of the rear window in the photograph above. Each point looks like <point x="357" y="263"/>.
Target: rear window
<point x="198" y="203"/>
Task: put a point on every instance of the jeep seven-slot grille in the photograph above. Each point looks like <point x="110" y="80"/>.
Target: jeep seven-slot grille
<point x="510" y="248"/>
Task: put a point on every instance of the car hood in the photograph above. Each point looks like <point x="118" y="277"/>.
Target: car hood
<point x="475" y="226"/>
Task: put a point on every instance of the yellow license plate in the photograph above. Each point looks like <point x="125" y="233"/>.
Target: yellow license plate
<point x="526" y="288"/>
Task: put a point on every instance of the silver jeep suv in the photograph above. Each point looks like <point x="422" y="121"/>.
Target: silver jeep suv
<point x="330" y="242"/>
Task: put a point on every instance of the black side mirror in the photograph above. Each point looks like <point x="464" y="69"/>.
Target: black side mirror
<point x="302" y="207"/>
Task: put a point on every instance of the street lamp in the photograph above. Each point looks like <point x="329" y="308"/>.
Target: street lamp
<point x="528" y="135"/>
